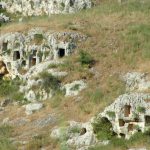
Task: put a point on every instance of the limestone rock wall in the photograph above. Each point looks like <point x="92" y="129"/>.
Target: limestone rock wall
<point x="21" y="51"/>
<point x="129" y="113"/>
<point x="40" y="7"/>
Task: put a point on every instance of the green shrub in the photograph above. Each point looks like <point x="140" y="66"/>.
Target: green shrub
<point x="138" y="39"/>
<point x="10" y="89"/>
<point x="62" y="5"/>
<point x="85" y="58"/>
<point x="75" y="130"/>
<point x="49" y="82"/>
<point x="75" y="87"/>
<point x="38" y="38"/>
<point x="102" y="128"/>
<point x="141" y="109"/>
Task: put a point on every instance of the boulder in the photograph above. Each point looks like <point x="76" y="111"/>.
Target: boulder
<point x="73" y="89"/>
<point x="5" y="102"/>
<point x="32" y="107"/>
<point x="136" y="81"/>
<point x="72" y="134"/>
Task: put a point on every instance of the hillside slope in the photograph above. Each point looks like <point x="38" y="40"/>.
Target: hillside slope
<point x="117" y="42"/>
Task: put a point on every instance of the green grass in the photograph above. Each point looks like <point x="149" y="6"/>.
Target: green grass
<point x="111" y="114"/>
<point x="75" y="87"/>
<point x="137" y="38"/>
<point x="75" y="130"/>
<point x="40" y="141"/>
<point x="56" y="100"/>
<point x="38" y="38"/>
<point x="10" y="89"/>
<point x="5" y="133"/>
<point x="137" y="140"/>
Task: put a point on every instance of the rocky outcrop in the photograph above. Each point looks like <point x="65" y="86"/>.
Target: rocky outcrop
<point x="30" y="108"/>
<point x="21" y="51"/>
<point x="129" y="113"/>
<point x="79" y="135"/>
<point x="26" y="55"/>
<point x="136" y="81"/>
<point x="72" y="89"/>
<point x="48" y="7"/>
<point x="4" y="18"/>
<point x="3" y="70"/>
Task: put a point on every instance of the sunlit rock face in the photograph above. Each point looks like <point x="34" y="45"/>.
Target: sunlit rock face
<point x="27" y="54"/>
<point x="47" y="7"/>
<point x="130" y="113"/>
<point x="22" y="51"/>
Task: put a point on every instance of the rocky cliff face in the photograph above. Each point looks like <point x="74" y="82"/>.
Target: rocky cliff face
<point x="47" y="7"/>
<point x="26" y="55"/>
<point x="24" y="51"/>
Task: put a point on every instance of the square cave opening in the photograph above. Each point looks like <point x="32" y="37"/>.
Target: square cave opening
<point x="127" y="110"/>
<point x="16" y="55"/>
<point x="130" y="127"/>
<point x="147" y="120"/>
<point x="121" y="122"/>
<point x="4" y="48"/>
<point x="61" y="52"/>
<point x="33" y="61"/>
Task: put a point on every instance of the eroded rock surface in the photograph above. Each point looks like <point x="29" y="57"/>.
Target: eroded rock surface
<point x="48" y="7"/>
<point x="24" y="50"/>
<point x="136" y="81"/>
<point x="72" y="89"/>
<point x="78" y="134"/>
<point x="32" y="107"/>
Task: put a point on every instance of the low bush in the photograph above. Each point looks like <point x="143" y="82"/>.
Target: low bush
<point x="141" y="109"/>
<point x="10" y="89"/>
<point x="38" y="38"/>
<point x="49" y="82"/>
<point x="102" y="128"/>
<point x="85" y="58"/>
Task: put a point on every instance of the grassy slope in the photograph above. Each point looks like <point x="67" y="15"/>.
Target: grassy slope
<point x="118" y="40"/>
